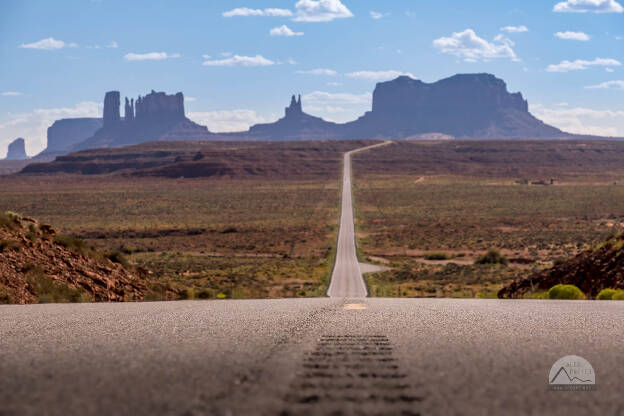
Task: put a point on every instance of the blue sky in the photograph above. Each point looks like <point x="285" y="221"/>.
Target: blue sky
<point x="238" y="62"/>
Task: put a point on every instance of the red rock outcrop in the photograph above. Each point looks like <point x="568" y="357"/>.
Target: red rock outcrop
<point x="38" y="265"/>
<point x="591" y="271"/>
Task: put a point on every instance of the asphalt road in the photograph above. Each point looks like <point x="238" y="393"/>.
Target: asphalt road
<point x="337" y="355"/>
<point x="307" y="356"/>
<point x="346" y="279"/>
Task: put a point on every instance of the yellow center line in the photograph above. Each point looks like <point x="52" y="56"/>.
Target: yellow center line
<point x="354" y="306"/>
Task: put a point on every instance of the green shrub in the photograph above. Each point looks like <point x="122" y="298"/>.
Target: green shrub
<point x="204" y="294"/>
<point x="117" y="256"/>
<point x="48" y="290"/>
<point x="493" y="256"/>
<point x="72" y="243"/>
<point x="438" y="255"/>
<point x="559" y="261"/>
<point x="569" y="292"/>
<point x="606" y="294"/>
<point x="9" y="220"/>
<point x="618" y="295"/>
<point x="8" y="245"/>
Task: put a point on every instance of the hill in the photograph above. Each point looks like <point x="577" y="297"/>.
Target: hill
<point x="65" y="133"/>
<point x="598" y="268"/>
<point x="295" y="125"/>
<point x="39" y="265"/>
<point x="206" y="159"/>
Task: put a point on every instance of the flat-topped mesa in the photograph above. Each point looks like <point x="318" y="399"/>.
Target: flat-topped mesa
<point x="462" y="106"/>
<point x="65" y="133"/>
<point x="17" y="150"/>
<point x="463" y="92"/>
<point x="112" y="102"/>
<point x="158" y="105"/>
<point x="294" y="109"/>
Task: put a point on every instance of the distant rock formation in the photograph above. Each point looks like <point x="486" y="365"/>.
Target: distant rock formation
<point x="294" y="126"/>
<point x="17" y="150"/>
<point x="66" y="133"/>
<point x="129" y="110"/>
<point x="463" y="106"/>
<point x="474" y="106"/>
<point x="111" y="108"/>
<point x="154" y="117"/>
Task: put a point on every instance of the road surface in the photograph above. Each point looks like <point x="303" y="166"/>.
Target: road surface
<point x="345" y="354"/>
<point x="307" y="356"/>
<point x="346" y="279"/>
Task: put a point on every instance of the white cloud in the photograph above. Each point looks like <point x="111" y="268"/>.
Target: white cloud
<point x="580" y="64"/>
<point x="151" y="56"/>
<point x="10" y="94"/>
<point x="581" y="120"/>
<point x="190" y="99"/>
<point x="377" y="75"/>
<point x="227" y="121"/>
<point x="321" y="10"/>
<point x="338" y="107"/>
<point x="609" y="69"/>
<point x="376" y="15"/>
<point x="614" y="85"/>
<point x="471" y="48"/>
<point x="514" y="29"/>
<point x="284" y="30"/>
<point x="328" y="98"/>
<point x="33" y="126"/>
<point x="327" y="109"/>
<point x="245" y="11"/>
<point x="588" y="6"/>
<point x="318" y="71"/>
<point x="48" y="44"/>
<point x="581" y="36"/>
<point x="238" y="60"/>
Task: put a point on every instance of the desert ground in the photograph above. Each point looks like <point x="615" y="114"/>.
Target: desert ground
<point x="428" y="210"/>
<point x="425" y="211"/>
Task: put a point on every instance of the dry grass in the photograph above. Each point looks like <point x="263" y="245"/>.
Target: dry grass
<point x="462" y="199"/>
<point x="274" y="237"/>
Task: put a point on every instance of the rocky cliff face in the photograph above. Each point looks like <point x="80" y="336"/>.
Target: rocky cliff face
<point x="463" y="106"/>
<point x="38" y="265"/>
<point x="154" y="117"/>
<point x="65" y="133"/>
<point x="111" y="108"/>
<point x="17" y="150"/>
<point x="158" y="105"/>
